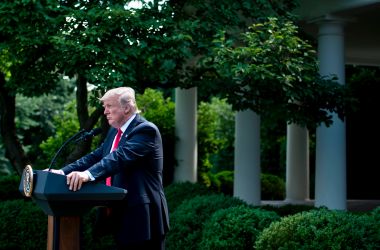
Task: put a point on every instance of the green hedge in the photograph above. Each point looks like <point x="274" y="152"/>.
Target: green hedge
<point x="177" y="192"/>
<point x="272" y="187"/>
<point x="214" y="221"/>
<point x="321" y="229"/>
<point x="188" y="219"/>
<point x="23" y="225"/>
<point x="289" y="209"/>
<point x="9" y="187"/>
<point x="376" y="214"/>
<point x="235" y="228"/>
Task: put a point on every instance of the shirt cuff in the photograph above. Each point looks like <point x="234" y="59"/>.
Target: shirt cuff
<point x="90" y="175"/>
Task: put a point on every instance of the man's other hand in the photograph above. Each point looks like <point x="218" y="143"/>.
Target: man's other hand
<point x="76" y="179"/>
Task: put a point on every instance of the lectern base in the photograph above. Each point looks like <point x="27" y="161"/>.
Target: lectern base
<point x="65" y="207"/>
<point x="63" y="233"/>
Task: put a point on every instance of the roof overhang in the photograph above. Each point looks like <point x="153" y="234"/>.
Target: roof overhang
<point x="362" y="26"/>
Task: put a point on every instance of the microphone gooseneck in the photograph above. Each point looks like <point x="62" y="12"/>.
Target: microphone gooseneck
<point x="82" y="134"/>
<point x="86" y="135"/>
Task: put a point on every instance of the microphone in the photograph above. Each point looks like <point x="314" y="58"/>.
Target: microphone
<point x="87" y="135"/>
<point x="83" y="136"/>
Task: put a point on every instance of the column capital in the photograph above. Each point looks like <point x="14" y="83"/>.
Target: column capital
<point x="329" y="18"/>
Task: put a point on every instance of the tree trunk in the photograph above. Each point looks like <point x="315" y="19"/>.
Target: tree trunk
<point x="13" y="148"/>
<point x="86" y="121"/>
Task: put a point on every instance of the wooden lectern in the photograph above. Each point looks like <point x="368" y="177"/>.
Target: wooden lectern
<point x="64" y="207"/>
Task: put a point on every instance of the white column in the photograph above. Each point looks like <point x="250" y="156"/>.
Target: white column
<point x="297" y="164"/>
<point x="330" y="178"/>
<point x="247" y="157"/>
<point x="186" y="135"/>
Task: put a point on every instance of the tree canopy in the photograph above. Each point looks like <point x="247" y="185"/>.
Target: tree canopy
<point x="163" y="44"/>
<point x="275" y="72"/>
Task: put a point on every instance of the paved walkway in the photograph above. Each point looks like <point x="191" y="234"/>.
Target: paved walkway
<point x="352" y="205"/>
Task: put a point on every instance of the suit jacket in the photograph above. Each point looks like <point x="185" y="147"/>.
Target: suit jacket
<point x="137" y="166"/>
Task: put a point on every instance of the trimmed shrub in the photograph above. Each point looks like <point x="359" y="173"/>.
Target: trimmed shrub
<point x="376" y="213"/>
<point x="321" y="229"/>
<point x="288" y="209"/>
<point x="272" y="187"/>
<point x="188" y="219"/>
<point x="23" y="225"/>
<point x="221" y="182"/>
<point x="375" y="216"/>
<point x="177" y="192"/>
<point x="9" y="187"/>
<point x="235" y="228"/>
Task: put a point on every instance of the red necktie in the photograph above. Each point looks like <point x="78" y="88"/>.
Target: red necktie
<point x="116" y="143"/>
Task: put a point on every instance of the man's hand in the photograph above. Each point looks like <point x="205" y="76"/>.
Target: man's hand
<point x="76" y="179"/>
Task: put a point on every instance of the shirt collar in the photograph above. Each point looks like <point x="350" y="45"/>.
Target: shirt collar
<point x="125" y="126"/>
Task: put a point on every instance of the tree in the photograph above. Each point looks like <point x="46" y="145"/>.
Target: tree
<point x="99" y="42"/>
<point x="201" y="21"/>
<point x="25" y="66"/>
<point x="274" y="72"/>
<point x="108" y="44"/>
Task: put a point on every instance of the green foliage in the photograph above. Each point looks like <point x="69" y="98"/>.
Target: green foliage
<point x="235" y="228"/>
<point x="5" y="166"/>
<point x="26" y="52"/>
<point x="274" y="72"/>
<point x="35" y="116"/>
<point x="216" y="148"/>
<point x="178" y="192"/>
<point x="216" y="126"/>
<point x="66" y="125"/>
<point x="376" y="214"/>
<point x="200" y="21"/>
<point x="288" y="209"/>
<point x="9" y="187"/>
<point x="321" y="229"/>
<point x="273" y="146"/>
<point x="23" y="225"/>
<point x="221" y="182"/>
<point x="272" y="187"/>
<point x="110" y="45"/>
<point x="188" y="219"/>
<point x="156" y="108"/>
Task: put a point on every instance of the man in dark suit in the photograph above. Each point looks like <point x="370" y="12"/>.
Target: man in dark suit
<point x="142" y="221"/>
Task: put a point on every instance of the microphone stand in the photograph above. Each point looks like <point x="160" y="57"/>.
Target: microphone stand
<point x="63" y="146"/>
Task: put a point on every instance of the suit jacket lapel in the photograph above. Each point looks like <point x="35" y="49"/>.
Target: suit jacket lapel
<point x="136" y="121"/>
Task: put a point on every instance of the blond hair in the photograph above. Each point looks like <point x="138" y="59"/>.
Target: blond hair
<point x="126" y="96"/>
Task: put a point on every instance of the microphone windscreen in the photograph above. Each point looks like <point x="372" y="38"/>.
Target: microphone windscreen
<point x="96" y="131"/>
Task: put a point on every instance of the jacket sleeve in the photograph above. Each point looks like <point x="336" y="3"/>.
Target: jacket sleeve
<point x="85" y="162"/>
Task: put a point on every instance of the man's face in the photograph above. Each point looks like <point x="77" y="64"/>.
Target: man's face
<point x="116" y="115"/>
